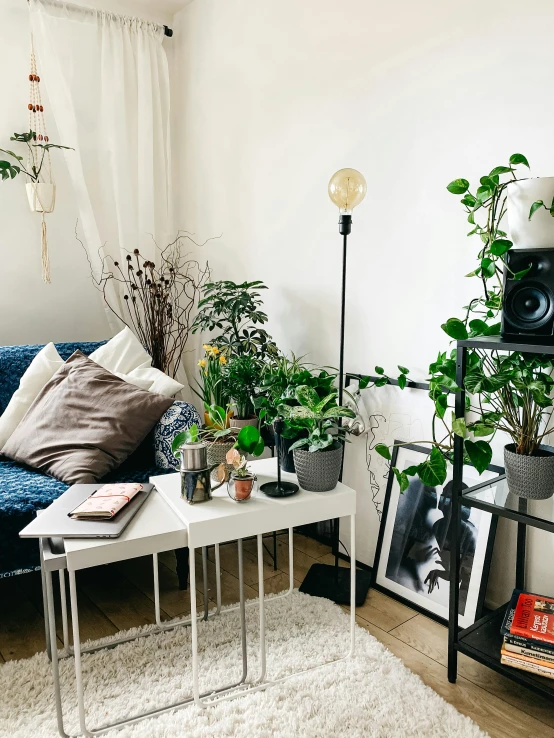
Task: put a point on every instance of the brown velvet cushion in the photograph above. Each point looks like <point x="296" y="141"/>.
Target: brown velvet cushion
<point x="84" y="423"/>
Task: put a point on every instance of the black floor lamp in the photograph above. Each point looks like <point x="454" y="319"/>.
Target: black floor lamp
<point x="347" y="189"/>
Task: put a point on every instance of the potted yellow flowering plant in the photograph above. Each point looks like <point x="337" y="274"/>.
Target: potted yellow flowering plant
<point x="211" y="388"/>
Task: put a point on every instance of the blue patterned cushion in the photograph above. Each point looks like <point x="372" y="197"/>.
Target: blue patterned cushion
<point x="179" y="417"/>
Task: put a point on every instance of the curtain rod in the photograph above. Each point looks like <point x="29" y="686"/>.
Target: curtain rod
<point x="167" y="30"/>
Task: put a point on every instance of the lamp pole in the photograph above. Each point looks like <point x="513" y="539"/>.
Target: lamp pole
<point x="345" y="227"/>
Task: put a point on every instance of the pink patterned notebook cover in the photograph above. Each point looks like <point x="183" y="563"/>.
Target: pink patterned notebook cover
<point x="107" y="501"/>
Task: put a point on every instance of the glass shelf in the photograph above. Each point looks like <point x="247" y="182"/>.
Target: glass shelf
<point x="495" y="497"/>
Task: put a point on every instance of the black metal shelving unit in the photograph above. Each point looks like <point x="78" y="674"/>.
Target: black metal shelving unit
<point x="482" y="640"/>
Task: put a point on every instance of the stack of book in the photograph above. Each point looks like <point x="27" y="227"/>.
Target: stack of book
<point x="528" y="630"/>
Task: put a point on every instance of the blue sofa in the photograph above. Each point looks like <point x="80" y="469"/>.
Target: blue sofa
<point x="23" y="491"/>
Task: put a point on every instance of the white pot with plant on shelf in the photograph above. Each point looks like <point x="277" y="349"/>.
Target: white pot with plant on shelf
<point x="531" y="212"/>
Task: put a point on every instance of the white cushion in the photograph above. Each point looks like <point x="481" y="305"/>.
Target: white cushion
<point x="123" y="355"/>
<point x="41" y="370"/>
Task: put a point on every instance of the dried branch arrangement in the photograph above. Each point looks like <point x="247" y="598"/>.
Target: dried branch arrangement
<point x="158" y="298"/>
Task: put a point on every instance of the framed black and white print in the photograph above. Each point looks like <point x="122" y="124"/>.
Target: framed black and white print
<point x="412" y="561"/>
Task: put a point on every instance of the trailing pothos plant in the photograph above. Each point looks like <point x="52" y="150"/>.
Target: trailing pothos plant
<point x="507" y="392"/>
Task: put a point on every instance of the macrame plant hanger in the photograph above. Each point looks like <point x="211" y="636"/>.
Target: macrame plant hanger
<point x="42" y="192"/>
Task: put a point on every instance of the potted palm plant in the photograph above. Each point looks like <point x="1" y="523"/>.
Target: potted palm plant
<point x="318" y="456"/>
<point x="242" y="377"/>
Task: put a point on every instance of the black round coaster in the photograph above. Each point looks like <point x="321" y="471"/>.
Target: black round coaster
<point x="282" y="489"/>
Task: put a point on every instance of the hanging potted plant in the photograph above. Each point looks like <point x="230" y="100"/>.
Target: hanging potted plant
<point x="40" y="193"/>
<point x="242" y="377"/>
<point x="242" y="480"/>
<point x="318" y="457"/>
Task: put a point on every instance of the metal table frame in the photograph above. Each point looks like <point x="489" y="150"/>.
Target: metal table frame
<point x="51" y="562"/>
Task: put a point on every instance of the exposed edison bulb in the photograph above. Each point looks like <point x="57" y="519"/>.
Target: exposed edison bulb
<point x="347" y="188"/>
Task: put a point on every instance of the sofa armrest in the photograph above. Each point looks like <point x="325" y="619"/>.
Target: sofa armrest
<point x="179" y="417"/>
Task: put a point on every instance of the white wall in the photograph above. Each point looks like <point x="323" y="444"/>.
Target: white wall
<point x="69" y="308"/>
<point x="271" y="98"/>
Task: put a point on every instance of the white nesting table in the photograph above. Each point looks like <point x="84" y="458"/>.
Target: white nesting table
<point x="222" y="519"/>
<point x="166" y="522"/>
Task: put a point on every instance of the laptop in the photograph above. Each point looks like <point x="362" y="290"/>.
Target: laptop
<point x="54" y="522"/>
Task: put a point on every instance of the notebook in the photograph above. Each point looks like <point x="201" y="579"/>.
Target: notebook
<point x="55" y="522"/>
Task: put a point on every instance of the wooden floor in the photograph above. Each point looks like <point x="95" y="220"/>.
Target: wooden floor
<point x="121" y="596"/>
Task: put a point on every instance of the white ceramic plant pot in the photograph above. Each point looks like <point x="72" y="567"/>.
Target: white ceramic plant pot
<point x="538" y="232"/>
<point x="41" y="196"/>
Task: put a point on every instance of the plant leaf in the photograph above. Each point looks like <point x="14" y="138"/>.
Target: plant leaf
<point x="519" y="159"/>
<point x="402" y="479"/>
<point x="458" y="186"/>
<point x="307" y="396"/>
<point x="455" y="329"/>
<point x="480" y="454"/>
<point x="402" y="381"/>
<point x="534" y="207"/>
<point x="432" y="472"/>
<point x="383" y="451"/>
<point x="500" y="246"/>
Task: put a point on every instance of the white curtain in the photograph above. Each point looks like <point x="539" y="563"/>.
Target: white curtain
<point x="108" y="84"/>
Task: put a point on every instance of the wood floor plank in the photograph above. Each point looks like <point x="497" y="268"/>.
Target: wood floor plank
<point x="431" y="638"/>
<point x="312" y="548"/>
<point x="498" y="718"/>
<point x="173" y="601"/>
<point x="123" y="603"/>
<point x="21" y="624"/>
<point x="228" y="556"/>
<point x="383" y="611"/>
<point x="302" y="562"/>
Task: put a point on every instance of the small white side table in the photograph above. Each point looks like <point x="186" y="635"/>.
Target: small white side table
<point x="222" y="519"/>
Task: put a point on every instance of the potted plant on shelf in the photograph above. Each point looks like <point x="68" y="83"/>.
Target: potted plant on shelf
<point x="41" y="194"/>
<point x="242" y="480"/>
<point x="279" y="381"/>
<point x="235" y="311"/>
<point x="211" y="387"/>
<point x="216" y="434"/>
<point x="242" y="377"/>
<point x="317" y="466"/>
<point x="508" y="392"/>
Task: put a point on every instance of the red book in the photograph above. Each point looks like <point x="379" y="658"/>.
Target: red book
<point x="534" y="618"/>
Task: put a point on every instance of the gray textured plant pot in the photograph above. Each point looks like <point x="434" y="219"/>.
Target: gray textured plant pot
<point x="241" y="423"/>
<point x="318" y="471"/>
<point x="529" y="476"/>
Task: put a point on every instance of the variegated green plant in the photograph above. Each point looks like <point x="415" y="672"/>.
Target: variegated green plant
<point x="319" y="417"/>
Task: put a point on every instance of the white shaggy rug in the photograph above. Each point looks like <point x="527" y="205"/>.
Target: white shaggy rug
<point x="373" y="695"/>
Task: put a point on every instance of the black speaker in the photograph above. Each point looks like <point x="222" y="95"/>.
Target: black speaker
<point x="528" y="303"/>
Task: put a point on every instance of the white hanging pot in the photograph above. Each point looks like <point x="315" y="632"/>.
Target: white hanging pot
<point x="41" y="196"/>
<point x="537" y="232"/>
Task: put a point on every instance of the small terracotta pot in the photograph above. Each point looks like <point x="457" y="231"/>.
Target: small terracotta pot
<point x="243" y="488"/>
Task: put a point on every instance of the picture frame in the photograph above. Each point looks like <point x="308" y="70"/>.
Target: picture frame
<point x="412" y="558"/>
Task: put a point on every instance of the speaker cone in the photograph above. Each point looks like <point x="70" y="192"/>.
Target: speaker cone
<point x="529" y="305"/>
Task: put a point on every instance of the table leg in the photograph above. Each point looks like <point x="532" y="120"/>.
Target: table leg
<point x="242" y="611"/>
<point x="352" y="585"/>
<point x="77" y="653"/>
<point x="54" y="651"/>
<point x="63" y="601"/>
<point x="291" y="562"/>
<point x="261" y="599"/>
<point x="45" y="601"/>
<point x="194" y="626"/>
<point x="217" y="579"/>
<point x="205" y="580"/>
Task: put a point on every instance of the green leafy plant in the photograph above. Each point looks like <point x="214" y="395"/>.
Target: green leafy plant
<point x="37" y="153"/>
<point x="279" y="381"/>
<point x="249" y="441"/>
<point x="242" y="377"/>
<point x="236" y="311"/>
<point x="212" y="433"/>
<point x="318" y="417"/>
<point x="508" y="392"/>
